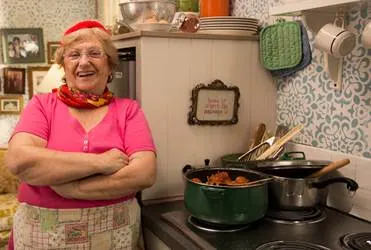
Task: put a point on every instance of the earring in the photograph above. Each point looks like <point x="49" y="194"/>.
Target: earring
<point x="110" y="78"/>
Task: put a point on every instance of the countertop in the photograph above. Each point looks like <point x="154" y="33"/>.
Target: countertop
<point x="326" y="233"/>
<point x="137" y="34"/>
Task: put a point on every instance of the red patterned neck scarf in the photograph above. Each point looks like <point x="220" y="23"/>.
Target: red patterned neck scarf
<point x="81" y="100"/>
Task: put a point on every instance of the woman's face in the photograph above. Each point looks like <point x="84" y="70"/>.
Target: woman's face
<point x="86" y="66"/>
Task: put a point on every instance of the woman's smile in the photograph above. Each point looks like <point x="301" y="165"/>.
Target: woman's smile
<point x="85" y="74"/>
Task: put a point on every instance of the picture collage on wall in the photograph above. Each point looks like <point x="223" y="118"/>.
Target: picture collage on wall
<point x="22" y="46"/>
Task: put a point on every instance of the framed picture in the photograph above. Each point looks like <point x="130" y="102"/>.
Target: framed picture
<point x="214" y="104"/>
<point x="14" y="80"/>
<point x="23" y="45"/>
<point x="34" y="76"/>
<point x="11" y="104"/>
<point x="52" y="47"/>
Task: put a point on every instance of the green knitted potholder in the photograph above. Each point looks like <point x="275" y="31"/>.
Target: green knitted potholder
<point x="280" y="45"/>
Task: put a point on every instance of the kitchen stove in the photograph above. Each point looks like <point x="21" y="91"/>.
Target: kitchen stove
<point x="356" y="241"/>
<point x="306" y="216"/>
<point x="325" y="228"/>
<point x="287" y="245"/>
<point x="211" y="227"/>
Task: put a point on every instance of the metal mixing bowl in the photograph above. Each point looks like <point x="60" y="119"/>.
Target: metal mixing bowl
<point x="151" y="14"/>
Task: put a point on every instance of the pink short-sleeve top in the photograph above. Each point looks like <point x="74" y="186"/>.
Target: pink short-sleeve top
<point x="123" y="127"/>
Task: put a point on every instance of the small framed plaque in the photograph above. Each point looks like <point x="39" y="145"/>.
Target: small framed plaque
<point x="214" y="104"/>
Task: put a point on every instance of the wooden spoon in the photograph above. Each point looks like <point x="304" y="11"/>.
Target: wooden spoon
<point x="330" y="167"/>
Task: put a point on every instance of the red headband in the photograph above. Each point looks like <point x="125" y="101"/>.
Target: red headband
<point x="87" y="24"/>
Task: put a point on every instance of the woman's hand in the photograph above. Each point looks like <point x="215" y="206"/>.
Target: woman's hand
<point x="66" y="190"/>
<point x="112" y="161"/>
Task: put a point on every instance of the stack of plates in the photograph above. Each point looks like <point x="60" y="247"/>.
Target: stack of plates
<point x="229" y="25"/>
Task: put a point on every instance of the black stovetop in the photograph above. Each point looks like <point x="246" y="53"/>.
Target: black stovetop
<point x="327" y="232"/>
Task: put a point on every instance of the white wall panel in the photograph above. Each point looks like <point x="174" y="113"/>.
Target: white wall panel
<point x="170" y="68"/>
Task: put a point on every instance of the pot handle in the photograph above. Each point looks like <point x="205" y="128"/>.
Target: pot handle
<point x="213" y="193"/>
<point x="186" y="168"/>
<point x="351" y="184"/>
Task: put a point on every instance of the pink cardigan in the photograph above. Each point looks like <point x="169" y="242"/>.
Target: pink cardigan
<point x="124" y="127"/>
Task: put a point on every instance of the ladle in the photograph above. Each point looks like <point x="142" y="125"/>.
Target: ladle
<point x="330" y="167"/>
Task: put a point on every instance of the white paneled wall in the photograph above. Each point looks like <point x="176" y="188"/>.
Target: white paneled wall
<point x="169" y="69"/>
<point x="358" y="204"/>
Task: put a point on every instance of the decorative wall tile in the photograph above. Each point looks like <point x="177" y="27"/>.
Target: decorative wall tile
<point x="358" y="203"/>
<point x="334" y="120"/>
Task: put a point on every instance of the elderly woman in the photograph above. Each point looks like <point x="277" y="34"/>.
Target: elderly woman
<point x="81" y="154"/>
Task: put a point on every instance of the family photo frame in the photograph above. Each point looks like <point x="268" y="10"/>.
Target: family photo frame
<point x="14" y="80"/>
<point x="11" y="104"/>
<point x="52" y="47"/>
<point x="34" y="76"/>
<point x="22" y="45"/>
<point x="214" y="104"/>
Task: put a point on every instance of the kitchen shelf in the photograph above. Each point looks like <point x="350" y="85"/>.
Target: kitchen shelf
<point x="302" y="6"/>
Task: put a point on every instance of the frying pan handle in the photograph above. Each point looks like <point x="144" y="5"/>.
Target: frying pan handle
<point x="351" y="184"/>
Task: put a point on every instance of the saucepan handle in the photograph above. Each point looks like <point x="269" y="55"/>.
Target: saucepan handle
<point x="186" y="168"/>
<point x="352" y="185"/>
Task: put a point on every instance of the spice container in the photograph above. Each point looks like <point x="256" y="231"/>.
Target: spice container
<point x="214" y="8"/>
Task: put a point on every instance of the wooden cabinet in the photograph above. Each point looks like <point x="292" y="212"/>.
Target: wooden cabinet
<point x="169" y="66"/>
<point x="299" y="6"/>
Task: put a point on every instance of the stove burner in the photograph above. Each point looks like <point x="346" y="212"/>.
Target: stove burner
<point x="356" y="241"/>
<point x="213" y="227"/>
<point x="287" y="245"/>
<point x="307" y="216"/>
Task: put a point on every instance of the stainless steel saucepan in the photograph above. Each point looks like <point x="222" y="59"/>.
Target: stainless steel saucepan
<point x="292" y="189"/>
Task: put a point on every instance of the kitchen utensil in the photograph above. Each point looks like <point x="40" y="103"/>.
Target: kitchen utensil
<point x="291" y="189"/>
<point x="281" y="130"/>
<point x="257" y="139"/>
<point x="306" y="57"/>
<point x="366" y="35"/>
<point x="148" y="14"/>
<point x="335" y="40"/>
<point x="281" y="45"/>
<point x="280" y="142"/>
<point x="229" y="205"/>
<point x="330" y="167"/>
<point x="269" y="142"/>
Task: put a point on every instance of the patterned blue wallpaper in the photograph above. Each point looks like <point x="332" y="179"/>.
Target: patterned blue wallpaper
<point x="335" y="120"/>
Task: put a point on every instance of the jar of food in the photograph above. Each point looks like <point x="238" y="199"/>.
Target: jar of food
<point x="214" y="8"/>
<point x="187" y="5"/>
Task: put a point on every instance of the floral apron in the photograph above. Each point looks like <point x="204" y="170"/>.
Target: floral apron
<point x="99" y="228"/>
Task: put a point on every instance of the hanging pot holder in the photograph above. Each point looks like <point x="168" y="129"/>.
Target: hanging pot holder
<point x="306" y="57"/>
<point x="281" y="45"/>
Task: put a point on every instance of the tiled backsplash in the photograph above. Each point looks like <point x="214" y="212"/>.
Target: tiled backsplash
<point x="359" y="169"/>
<point x="335" y="120"/>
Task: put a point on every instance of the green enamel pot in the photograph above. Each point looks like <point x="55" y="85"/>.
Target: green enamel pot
<point x="228" y="205"/>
